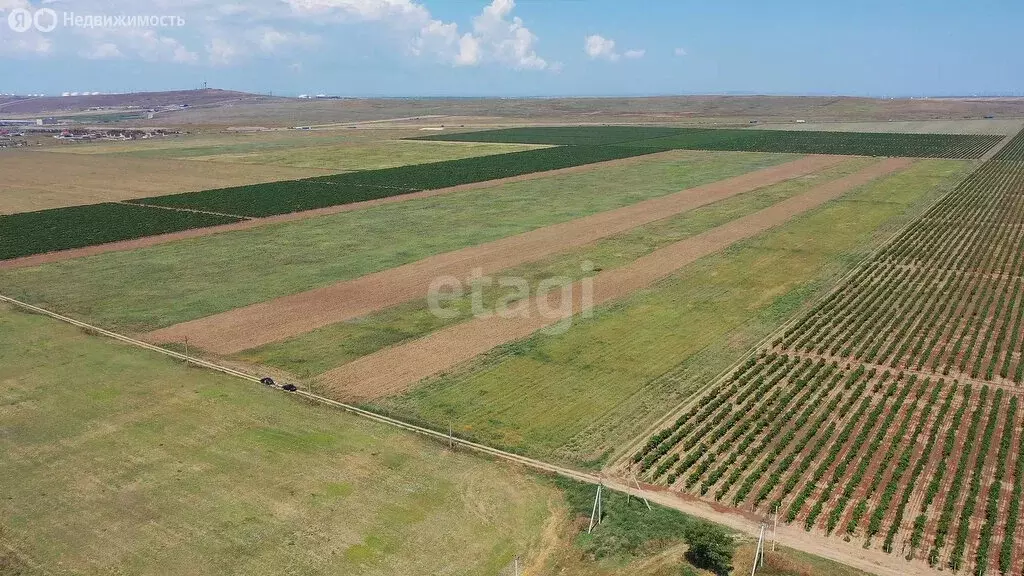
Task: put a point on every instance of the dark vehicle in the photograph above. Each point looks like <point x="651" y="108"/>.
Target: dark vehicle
<point x="290" y="388"/>
<point x="268" y="381"/>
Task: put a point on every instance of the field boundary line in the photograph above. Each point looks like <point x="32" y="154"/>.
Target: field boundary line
<point x="178" y="209"/>
<point x="622" y="457"/>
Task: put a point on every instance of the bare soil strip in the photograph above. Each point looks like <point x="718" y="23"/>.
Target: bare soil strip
<point x="39" y="259"/>
<point x="395" y="370"/>
<point x="289" y="316"/>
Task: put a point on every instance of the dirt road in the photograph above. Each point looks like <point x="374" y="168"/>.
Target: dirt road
<point x="395" y="370"/>
<point x="282" y="318"/>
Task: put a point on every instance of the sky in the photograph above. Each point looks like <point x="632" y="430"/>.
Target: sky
<point x="883" y="48"/>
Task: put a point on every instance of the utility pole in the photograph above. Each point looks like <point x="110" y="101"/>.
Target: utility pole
<point x="759" y="551"/>
<point x="637" y="482"/>
<point x="595" y="514"/>
<point x="186" y="352"/>
<point x="451" y="439"/>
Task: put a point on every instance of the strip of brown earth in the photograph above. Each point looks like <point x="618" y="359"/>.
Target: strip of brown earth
<point x="124" y="245"/>
<point x="395" y="370"/>
<point x="289" y="316"/>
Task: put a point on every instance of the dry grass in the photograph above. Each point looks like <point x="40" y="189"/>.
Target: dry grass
<point x="35" y="180"/>
<point x="145" y="467"/>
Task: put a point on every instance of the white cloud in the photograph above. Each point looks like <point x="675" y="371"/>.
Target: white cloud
<point x="597" y="46"/>
<point x="221" y="52"/>
<point x="497" y="36"/>
<point x="227" y="32"/>
<point x="508" y="41"/>
<point x="600" y="48"/>
<point x="681" y="52"/>
<point x="469" y="51"/>
<point x="103" y="51"/>
<point x="271" y="40"/>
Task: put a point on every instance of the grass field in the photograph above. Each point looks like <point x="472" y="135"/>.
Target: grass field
<point x="326" y="348"/>
<point x="119" y="461"/>
<point x="35" y="180"/>
<point x="579" y="395"/>
<point x="164" y="285"/>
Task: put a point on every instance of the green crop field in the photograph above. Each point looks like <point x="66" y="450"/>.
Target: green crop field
<point x="579" y="395"/>
<point x="162" y="285"/>
<point x="318" y="351"/>
<point x="801" y="142"/>
<point x="77" y="226"/>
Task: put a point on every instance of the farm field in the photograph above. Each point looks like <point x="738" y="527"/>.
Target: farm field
<point x="579" y="147"/>
<point x="35" y="180"/>
<point x="996" y="126"/>
<point x="320" y="350"/>
<point x="799" y="142"/>
<point x="842" y="342"/>
<point x="365" y="155"/>
<point x="163" y="285"/>
<point x="617" y="371"/>
<point x="292" y="315"/>
<point x="144" y="466"/>
<point x="924" y="339"/>
<point x="397" y="369"/>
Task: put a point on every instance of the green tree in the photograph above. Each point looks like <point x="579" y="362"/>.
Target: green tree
<point x="711" y="548"/>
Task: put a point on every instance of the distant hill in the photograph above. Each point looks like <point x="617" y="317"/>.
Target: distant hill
<point x="145" y="100"/>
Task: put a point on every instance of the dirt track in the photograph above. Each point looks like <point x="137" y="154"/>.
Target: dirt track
<point x="394" y="370"/>
<point x="39" y="259"/>
<point x="285" y="317"/>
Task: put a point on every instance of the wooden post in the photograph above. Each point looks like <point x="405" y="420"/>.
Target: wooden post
<point x="186" y="352"/>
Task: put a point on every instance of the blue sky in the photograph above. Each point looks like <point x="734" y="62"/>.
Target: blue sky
<point x="520" y="47"/>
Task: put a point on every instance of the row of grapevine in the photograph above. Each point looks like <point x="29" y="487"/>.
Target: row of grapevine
<point x="917" y="446"/>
